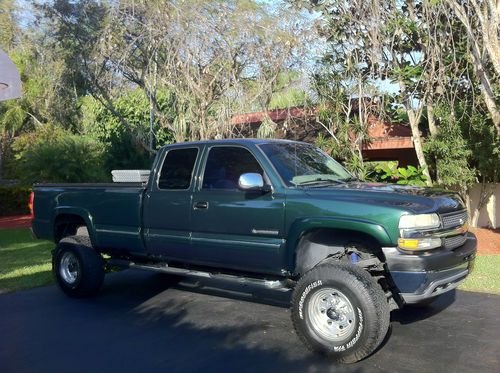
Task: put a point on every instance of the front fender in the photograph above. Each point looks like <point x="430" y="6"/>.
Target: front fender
<point x="302" y="226"/>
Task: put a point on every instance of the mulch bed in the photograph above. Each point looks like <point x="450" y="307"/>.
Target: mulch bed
<point x="23" y="221"/>
<point x="488" y="241"/>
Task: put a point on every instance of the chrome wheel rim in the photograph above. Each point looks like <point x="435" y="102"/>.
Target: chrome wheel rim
<point x="69" y="268"/>
<point x="331" y="314"/>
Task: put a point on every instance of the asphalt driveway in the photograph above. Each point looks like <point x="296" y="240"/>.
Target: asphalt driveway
<point x="148" y="322"/>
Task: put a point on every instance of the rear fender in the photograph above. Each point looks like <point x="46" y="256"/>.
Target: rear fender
<point x="82" y="213"/>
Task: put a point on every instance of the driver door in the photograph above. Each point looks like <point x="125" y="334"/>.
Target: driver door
<point x="234" y="228"/>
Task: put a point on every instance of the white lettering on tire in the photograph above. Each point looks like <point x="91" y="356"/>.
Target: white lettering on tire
<point x="307" y="290"/>
<point x="353" y="341"/>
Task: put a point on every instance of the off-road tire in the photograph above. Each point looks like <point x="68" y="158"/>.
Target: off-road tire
<point x="89" y="275"/>
<point x="369" y="304"/>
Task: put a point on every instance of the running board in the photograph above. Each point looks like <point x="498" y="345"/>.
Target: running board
<point x="269" y="284"/>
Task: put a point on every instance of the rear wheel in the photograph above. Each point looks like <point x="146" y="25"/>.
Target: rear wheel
<point x="339" y="310"/>
<point x="78" y="268"/>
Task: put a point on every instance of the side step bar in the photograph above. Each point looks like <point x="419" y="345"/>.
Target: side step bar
<point x="269" y="284"/>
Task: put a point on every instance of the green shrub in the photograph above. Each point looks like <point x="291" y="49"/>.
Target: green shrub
<point x="14" y="200"/>
<point x="389" y="172"/>
<point x="122" y="149"/>
<point x="54" y="155"/>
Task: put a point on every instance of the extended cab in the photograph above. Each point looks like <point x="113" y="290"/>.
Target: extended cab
<point x="281" y="214"/>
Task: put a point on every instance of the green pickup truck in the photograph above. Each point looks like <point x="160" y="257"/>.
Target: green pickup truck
<point x="275" y="213"/>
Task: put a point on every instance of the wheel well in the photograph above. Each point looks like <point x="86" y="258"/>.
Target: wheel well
<point x="319" y="244"/>
<point x="68" y="225"/>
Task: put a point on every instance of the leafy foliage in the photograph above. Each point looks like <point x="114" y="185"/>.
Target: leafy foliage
<point x="266" y="128"/>
<point x="14" y="200"/>
<point x="54" y="155"/>
<point x="451" y="153"/>
<point x="390" y="172"/>
<point x="484" y="145"/>
<point x="8" y="25"/>
<point x="439" y="63"/>
<point x="100" y="69"/>
<point x="121" y="144"/>
<point x="346" y="133"/>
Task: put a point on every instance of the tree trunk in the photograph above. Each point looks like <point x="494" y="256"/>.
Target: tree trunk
<point x="417" y="142"/>
<point x="486" y="90"/>
<point x="415" y="134"/>
<point x="484" y="196"/>
<point x="431" y="120"/>
<point x="433" y="130"/>
<point x="489" y="20"/>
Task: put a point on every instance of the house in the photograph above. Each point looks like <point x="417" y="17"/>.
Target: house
<point x="389" y="141"/>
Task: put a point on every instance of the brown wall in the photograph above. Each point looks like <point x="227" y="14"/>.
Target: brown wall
<point x="300" y="129"/>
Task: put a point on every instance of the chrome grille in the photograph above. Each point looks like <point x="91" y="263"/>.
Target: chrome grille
<point x="455" y="241"/>
<point x="454" y="219"/>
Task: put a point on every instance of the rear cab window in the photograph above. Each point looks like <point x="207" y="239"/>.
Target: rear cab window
<point x="177" y="169"/>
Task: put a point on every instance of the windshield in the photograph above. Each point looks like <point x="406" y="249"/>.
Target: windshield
<point x="304" y="164"/>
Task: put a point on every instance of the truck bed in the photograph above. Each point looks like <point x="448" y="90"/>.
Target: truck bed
<point x="113" y="210"/>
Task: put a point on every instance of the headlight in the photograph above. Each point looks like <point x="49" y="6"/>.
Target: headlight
<point x="422" y="221"/>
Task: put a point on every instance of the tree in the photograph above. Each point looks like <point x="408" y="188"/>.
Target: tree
<point x="121" y="147"/>
<point x="9" y="27"/>
<point x="342" y="80"/>
<point x="9" y="117"/>
<point x="451" y="152"/>
<point x="74" y="29"/>
<point x="464" y="145"/>
<point x="484" y="45"/>
<point x="444" y="68"/>
<point x="343" y="110"/>
<point x="202" y="52"/>
<point x="373" y="41"/>
<point x="46" y="98"/>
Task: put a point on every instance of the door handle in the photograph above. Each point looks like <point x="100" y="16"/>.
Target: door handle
<point x="200" y="205"/>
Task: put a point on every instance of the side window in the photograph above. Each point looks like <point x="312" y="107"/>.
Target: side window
<point x="177" y="169"/>
<point x="224" y="166"/>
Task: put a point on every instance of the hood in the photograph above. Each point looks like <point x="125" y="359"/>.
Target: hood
<point x="411" y="198"/>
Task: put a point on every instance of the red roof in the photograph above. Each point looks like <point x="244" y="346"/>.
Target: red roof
<point x="275" y="115"/>
<point x="383" y="134"/>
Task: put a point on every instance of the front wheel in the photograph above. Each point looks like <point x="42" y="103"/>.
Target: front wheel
<point x="339" y="310"/>
<point x="78" y="268"/>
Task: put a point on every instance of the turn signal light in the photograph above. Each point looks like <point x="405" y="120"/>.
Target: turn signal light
<point x="419" y="244"/>
<point x="407" y="243"/>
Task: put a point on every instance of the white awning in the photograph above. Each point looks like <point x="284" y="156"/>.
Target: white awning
<point x="10" y="81"/>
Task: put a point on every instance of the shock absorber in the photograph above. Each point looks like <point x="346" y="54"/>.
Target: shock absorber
<point x="354" y="257"/>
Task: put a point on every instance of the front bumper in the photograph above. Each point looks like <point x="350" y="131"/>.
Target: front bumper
<point x="418" y="277"/>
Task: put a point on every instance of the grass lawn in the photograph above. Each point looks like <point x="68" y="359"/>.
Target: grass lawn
<point x="485" y="276"/>
<point x="25" y="263"/>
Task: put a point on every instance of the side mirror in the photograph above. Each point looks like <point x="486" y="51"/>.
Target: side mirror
<point x="251" y="181"/>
